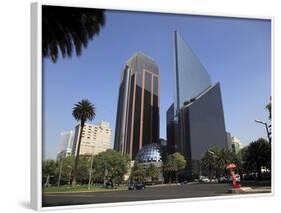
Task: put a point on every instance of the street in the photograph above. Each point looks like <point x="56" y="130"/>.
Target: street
<point x="150" y="193"/>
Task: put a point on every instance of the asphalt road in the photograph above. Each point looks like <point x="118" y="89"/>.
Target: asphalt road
<point x="150" y="193"/>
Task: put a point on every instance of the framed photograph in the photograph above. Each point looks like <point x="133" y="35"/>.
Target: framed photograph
<point x="150" y="106"/>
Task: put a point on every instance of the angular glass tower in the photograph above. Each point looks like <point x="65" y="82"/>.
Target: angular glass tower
<point x="137" y="120"/>
<point x="191" y="78"/>
<point x="198" y="111"/>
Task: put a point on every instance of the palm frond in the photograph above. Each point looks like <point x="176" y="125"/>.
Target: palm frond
<point x="84" y="110"/>
<point x="67" y="28"/>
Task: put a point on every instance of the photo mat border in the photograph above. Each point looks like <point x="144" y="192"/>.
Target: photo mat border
<point x="37" y="99"/>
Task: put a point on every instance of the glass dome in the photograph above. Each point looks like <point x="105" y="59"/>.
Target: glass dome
<point x="149" y="153"/>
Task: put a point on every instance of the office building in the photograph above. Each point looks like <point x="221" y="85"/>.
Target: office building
<point x="233" y="143"/>
<point x="171" y="129"/>
<point x="236" y="144"/>
<point x="96" y="138"/>
<point x="198" y="122"/>
<point x="229" y="141"/>
<point x="137" y="120"/>
<point x="65" y="145"/>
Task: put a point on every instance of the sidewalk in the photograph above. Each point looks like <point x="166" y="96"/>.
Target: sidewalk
<point x="264" y="189"/>
<point x="249" y="190"/>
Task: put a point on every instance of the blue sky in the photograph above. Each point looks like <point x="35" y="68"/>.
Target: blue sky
<point x="236" y="52"/>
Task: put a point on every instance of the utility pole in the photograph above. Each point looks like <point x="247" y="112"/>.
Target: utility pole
<point x="90" y="175"/>
<point x="61" y="164"/>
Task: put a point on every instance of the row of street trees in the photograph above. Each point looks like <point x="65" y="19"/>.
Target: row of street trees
<point x="249" y="160"/>
<point x="90" y="169"/>
<point x="172" y="165"/>
<point x="139" y="172"/>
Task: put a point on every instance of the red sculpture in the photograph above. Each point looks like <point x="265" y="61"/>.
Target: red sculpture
<point x="235" y="182"/>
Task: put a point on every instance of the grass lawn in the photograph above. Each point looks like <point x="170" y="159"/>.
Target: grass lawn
<point x="83" y="188"/>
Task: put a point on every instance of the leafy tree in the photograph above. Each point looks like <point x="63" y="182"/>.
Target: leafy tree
<point x="49" y="172"/>
<point x="84" y="110"/>
<point x="257" y="155"/>
<point x="110" y="163"/>
<point x="152" y="171"/>
<point x="68" y="28"/>
<point x="83" y="169"/>
<point x="138" y="172"/>
<point x="66" y="170"/>
<point x="174" y="163"/>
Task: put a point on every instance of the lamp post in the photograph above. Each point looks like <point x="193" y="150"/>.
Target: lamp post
<point x="266" y="127"/>
<point x="200" y="165"/>
<point x="60" y="171"/>
<point x="212" y="153"/>
<point x="90" y="174"/>
<point x="69" y="176"/>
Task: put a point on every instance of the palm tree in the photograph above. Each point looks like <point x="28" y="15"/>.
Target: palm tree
<point x="224" y="157"/>
<point x="207" y="161"/>
<point x="66" y="28"/>
<point x="268" y="107"/>
<point x="82" y="111"/>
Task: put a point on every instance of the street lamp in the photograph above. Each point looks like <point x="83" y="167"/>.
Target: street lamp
<point x="200" y="165"/>
<point x="266" y="127"/>
<point x="90" y="174"/>
<point x="212" y="153"/>
<point x="69" y="176"/>
<point x="60" y="171"/>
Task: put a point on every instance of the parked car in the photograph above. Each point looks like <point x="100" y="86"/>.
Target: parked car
<point x="204" y="179"/>
<point x="213" y="180"/>
<point x="183" y="182"/>
<point x="108" y="183"/>
<point x="136" y="185"/>
<point x="223" y="179"/>
<point x="237" y="178"/>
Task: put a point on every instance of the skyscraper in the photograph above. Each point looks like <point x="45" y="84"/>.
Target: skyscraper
<point x="137" y="120"/>
<point x="96" y="138"/>
<point x="198" y="122"/>
<point x="65" y="146"/>
<point x="171" y="129"/>
<point x="191" y="78"/>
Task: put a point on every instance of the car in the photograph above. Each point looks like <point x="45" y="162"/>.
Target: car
<point x="136" y="185"/>
<point x="109" y="183"/>
<point x="204" y="179"/>
<point x="214" y="180"/>
<point x="237" y="178"/>
<point x="223" y="179"/>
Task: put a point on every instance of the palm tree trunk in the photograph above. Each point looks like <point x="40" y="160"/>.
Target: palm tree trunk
<point x="77" y="155"/>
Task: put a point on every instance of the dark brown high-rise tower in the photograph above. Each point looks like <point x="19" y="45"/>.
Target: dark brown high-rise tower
<point x="137" y="120"/>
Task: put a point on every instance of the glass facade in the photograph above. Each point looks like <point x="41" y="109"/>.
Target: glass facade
<point x="140" y="108"/>
<point x="191" y="78"/>
<point x="149" y="153"/>
<point x="202" y="126"/>
<point x="122" y="108"/>
<point x="171" y="128"/>
<point x="195" y="122"/>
